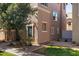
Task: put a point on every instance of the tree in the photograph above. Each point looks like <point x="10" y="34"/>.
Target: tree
<point x="14" y="16"/>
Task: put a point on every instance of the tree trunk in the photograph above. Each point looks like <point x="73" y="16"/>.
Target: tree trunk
<point x="17" y="35"/>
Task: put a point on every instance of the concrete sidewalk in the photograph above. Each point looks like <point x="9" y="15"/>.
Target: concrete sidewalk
<point x="20" y="51"/>
<point x="27" y="51"/>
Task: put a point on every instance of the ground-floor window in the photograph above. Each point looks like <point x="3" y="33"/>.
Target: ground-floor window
<point x="29" y="31"/>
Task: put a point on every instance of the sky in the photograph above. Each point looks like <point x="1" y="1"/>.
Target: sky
<point x="69" y="8"/>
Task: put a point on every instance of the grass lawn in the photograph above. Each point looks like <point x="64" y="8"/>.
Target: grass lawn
<point x="57" y="51"/>
<point x="2" y="53"/>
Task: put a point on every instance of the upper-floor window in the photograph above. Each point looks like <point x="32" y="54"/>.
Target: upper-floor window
<point x="45" y="4"/>
<point x="55" y="15"/>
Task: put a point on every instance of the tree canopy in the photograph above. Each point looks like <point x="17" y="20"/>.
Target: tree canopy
<point x="14" y="15"/>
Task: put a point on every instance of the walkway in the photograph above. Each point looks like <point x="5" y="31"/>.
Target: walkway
<point x="20" y="51"/>
<point x="27" y="51"/>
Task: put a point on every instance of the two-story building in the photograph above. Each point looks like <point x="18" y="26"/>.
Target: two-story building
<point x="39" y="29"/>
<point x="75" y="22"/>
<point x="47" y="23"/>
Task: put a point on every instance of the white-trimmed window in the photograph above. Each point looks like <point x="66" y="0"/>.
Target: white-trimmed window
<point x="55" y="15"/>
<point x="29" y="30"/>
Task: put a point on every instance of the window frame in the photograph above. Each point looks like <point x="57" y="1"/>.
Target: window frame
<point x="55" y="14"/>
<point x="30" y="25"/>
<point x="44" y="30"/>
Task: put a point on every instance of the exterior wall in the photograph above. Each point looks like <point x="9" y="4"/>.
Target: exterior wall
<point x="55" y="25"/>
<point x="34" y="22"/>
<point x="63" y="18"/>
<point x="43" y="17"/>
<point x="75" y="21"/>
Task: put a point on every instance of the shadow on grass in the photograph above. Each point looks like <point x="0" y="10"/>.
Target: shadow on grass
<point x="53" y="51"/>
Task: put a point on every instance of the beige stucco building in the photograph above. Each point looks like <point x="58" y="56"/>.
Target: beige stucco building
<point x="39" y="29"/>
<point x="75" y="21"/>
<point x="45" y="25"/>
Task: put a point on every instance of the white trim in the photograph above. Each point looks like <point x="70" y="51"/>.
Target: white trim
<point x="44" y="31"/>
<point x="44" y="22"/>
<point x="46" y="26"/>
<point x="30" y="25"/>
<point x="41" y="8"/>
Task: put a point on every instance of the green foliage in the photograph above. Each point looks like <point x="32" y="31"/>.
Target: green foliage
<point x="2" y="53"/>
<point x="13" y="15"/>
<point x="57" y="51"/>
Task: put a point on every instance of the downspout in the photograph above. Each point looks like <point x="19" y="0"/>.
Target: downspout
<point x="60" y="22"/>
